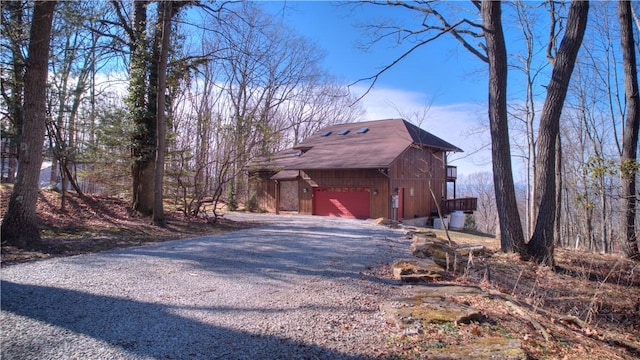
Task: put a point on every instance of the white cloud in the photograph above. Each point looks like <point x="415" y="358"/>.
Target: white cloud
<point x="462" y="124"/>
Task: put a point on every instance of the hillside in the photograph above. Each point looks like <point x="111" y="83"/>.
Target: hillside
<point x="588" y="307"/>
<point x="98" y="223"/>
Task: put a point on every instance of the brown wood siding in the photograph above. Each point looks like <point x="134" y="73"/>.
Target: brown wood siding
<point x="265" y="189"/>
<point x="413" y="169"/>
<point x="370" y="178"/>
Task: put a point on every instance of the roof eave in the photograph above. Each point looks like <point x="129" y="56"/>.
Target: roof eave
<point x="303" y="168"/>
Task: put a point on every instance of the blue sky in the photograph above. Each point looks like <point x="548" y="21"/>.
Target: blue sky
<point x="437" y="69"/>
<point x="442" y="75"/>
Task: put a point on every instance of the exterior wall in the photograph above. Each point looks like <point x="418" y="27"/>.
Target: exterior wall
<point x="268" y="190"/>
<point x="413" y="170"/>
<point x="371" y="178"/>
<point x="264" y="188"/>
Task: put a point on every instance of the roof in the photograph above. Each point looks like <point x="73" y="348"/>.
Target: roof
<point x="276" y="162"/>
<point x="286" y="175"/>
<point x="362" y="145"/>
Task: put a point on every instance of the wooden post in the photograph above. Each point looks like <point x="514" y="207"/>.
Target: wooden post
<point x="277" y="195"/>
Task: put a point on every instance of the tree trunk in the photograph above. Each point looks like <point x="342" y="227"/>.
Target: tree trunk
<point x="511" y="235"/>
<point x="165" y="13"/>
<point x="14" y="101"/>
<point x="604" y="218"/>
<point x="144" y="137"/>
<point x="557" y="223"/>
<point x="629" y="163"/>
<point x="541" y="245"/>
<point x="20" y="226"/>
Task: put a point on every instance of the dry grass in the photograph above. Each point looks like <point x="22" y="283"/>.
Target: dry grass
<point x="469" y="238"/>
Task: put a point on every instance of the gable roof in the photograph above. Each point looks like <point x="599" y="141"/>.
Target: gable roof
<point x="362" y="145"/>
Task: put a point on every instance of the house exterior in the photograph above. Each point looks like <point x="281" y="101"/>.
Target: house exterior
<point x="384" y="168"/>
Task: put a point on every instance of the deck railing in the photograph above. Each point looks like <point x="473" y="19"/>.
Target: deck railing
<point x="452" y="173"/>
<point x="467" y="205"/>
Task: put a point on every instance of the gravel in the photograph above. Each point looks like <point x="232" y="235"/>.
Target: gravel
<point x="294" y="287"/>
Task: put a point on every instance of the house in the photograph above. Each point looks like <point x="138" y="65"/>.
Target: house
<point x="385" y="168"/>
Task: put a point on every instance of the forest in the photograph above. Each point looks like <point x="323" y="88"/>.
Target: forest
<point x="168" y="101"/>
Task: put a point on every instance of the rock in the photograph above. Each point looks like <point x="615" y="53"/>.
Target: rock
<point x="446" y="254"/>
<point x="417" y="270"/>
<point x="483" y="348"/>
<point x="451" y="291"/>
<point x="421" y="221"/>
<point x="386" y="222"/>
<point x="423" y="308"/>
<point x="438" y="250"/>
<point x="419" y="278"/>
<point x="423" y="235"/>
<point x="476" y="250"/>
<point x="410" y="232"/>
<point x="380" y="221"/>
<point x="428" y="306"/>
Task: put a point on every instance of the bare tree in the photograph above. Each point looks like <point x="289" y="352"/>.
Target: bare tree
<point x="597" y="101"/>
<point x="541" y="244"/>
<point x="493" y="52"/>
<point x="142" y="111"/>
<point x="526" y="113"/>
<point x="163" y="36"/>
<point x="19" y="226"/>
<point x="313" y="106"/>
<point x="14" y="39"/>
<point x="580" y="200"/>
<point x="263" y="65"/>
<point x="259" y="91"/>
<point x="76" y="51"/>
<point x="629" y="164"/>
<point x="511" y="236"/>
<point x="480" y="185"/>
<point x="146" y="52"/>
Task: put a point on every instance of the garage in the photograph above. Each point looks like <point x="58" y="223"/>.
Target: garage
<point x="350" y="202"/>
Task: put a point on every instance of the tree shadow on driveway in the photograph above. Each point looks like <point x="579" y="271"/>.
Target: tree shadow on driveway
<point x="275" y="250"/>
<point x="132" y="329"/>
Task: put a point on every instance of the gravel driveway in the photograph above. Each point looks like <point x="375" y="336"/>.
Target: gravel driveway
<point x="295" y="287"/>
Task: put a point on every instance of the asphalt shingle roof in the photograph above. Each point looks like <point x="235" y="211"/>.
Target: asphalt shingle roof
<point x="343" y="146"/>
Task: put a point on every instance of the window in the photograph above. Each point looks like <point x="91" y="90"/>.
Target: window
<point x="344" y="132"/>
<point x="326" y="133"/>
<point x="363" y="130"/>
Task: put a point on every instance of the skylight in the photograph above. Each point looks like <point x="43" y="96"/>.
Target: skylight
<point x="343" y="132"/>
<point x="326" y="133"/>
<point x="363" y="130"/>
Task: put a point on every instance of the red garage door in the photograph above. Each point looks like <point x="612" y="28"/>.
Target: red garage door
<point x="351" y="202"/>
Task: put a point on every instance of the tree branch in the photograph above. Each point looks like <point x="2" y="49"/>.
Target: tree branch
<point x="124" y="21"/>
<point x="453" y="29"/>
<point x="375" y="77"/>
